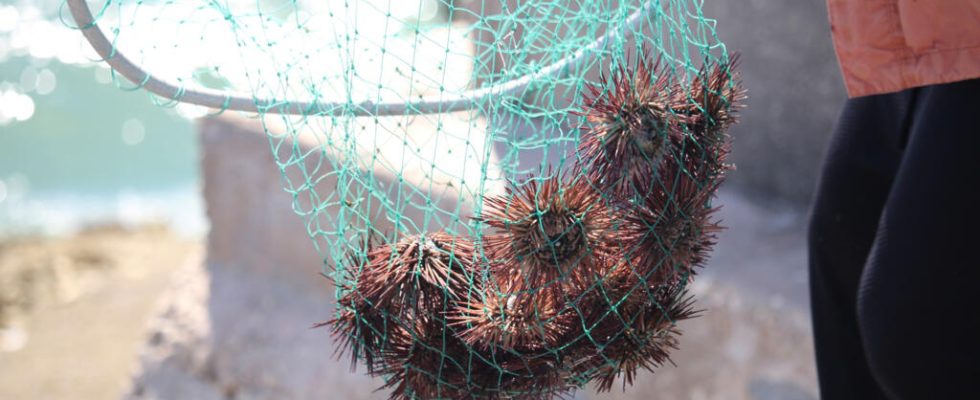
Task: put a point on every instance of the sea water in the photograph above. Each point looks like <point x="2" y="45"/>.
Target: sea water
<point x="80" y="146"/>
<point x="75" y="150"/>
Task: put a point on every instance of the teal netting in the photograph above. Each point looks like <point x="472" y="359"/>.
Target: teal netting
<point x="528" y="222"/>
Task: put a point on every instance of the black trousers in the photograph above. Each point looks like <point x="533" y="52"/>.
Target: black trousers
<point x="894" y="248"/>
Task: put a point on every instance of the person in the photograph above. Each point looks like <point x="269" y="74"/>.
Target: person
<point x="895" y="226"/>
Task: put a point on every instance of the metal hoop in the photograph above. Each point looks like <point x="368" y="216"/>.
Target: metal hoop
<point x="425" y="105"/>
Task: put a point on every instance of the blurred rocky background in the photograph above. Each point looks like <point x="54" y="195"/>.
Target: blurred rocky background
<point x="185" y="274"/>
<point x="795" y="94"/>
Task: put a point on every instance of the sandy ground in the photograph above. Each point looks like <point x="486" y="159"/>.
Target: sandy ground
<point x="73" y="310"/>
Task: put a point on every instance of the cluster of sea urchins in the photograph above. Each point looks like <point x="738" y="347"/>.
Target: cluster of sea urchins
<point x="581" y="277"/>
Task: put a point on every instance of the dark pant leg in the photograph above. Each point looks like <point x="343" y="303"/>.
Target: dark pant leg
<point x="857" y="176"/>
<point x="920" y="294"/>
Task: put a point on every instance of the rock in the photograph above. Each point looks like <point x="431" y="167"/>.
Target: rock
<point x="73" y="309"/>
<point x="239" y="326"/>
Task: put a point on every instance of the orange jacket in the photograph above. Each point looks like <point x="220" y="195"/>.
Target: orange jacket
<point x="888" y="45"/>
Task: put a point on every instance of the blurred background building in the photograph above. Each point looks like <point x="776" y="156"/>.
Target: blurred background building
<point x="142" y="248"/>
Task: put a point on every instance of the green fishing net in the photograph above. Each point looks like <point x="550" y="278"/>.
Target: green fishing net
<point x="510" y="198"/>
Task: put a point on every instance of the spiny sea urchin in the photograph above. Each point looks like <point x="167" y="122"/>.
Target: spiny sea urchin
<point x="361" y="329"/>
<point x="438" y="365"/>
<point x="548" y="234"/>
<point x="426" y="366"/>
<point x="712" y="98"/>
<point x="525" y="322"/>
<point x="631" y="335"/>
<point x="645" y="115"/>
<point x="672" y="228"/>
<point x="398" y="290"/>
<point x="708" y="106"/>
<point x="416" y="275"/>
<point x="631" y="124"/>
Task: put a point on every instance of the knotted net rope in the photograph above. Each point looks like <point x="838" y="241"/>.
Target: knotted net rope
<point x="509" y="197"/>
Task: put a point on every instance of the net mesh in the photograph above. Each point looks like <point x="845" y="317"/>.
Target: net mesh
<point x="528" y="244"/>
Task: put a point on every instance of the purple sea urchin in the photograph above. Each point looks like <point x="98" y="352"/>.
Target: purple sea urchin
<point x="548" y="234"/>
<point x="527" y="322"/>
<point x="631" y="124"/>
<point x="639" y="116"/>
<point x="416" y="274"/>
<point x="638" y="335"/>
<point x="397" y="290"/>
<point x="425" y="368"/>
<point x="438" y="365"/>
<point x="672" y="228"/>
